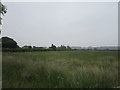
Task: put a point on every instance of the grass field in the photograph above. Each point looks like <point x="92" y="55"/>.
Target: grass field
<point x="60" y="69"/>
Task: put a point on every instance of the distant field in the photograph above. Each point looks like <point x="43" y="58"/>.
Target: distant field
<point x="60" y="69"/>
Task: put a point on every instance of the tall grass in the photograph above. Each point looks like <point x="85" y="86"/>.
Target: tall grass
<point x="60" y="69"/>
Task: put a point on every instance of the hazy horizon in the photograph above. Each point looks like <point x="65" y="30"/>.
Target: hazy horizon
<point x="74" y="24"/>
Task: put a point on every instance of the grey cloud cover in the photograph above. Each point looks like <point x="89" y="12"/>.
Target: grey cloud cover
<point x="74" y="24"/>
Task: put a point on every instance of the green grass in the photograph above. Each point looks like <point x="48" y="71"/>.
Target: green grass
<point x="60" y="69"/>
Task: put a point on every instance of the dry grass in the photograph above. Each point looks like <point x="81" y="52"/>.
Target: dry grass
<point x="65" y="69"/>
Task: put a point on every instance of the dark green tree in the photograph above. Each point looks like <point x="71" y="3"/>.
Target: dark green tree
<point x="9" y="43"/>
<point x="63" y="47"/>
<point x="68" y="47"/>
<point x="53" y="47"/>
<point x="30" y="46"/>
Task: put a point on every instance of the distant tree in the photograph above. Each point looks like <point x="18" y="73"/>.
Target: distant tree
<point x="9" y="43"/>
<point x="30" y="46"/>
<point x="53" y="47"/>
<point x="27" y="46"/>
<point x="63" y="47"/>
<point x="34" y="47"/>
<point x="68" y="47"/>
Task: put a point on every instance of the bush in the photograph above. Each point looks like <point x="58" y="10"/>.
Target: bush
<point x="9" y="43"/>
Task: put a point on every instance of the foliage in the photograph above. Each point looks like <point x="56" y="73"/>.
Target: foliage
<point x="60" y="48"/>
<point x="27" y="46"/>
<point x="9" y="43"/>
<point x="3" y="10"/>
<point x="53" y="47"/>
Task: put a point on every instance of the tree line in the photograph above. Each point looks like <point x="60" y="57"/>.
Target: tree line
<point x="10" y="45"/>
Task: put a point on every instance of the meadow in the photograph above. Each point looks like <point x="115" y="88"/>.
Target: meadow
<point x="60" y="69"/>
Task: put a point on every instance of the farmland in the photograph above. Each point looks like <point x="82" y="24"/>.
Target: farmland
<point x="60" y="69"/>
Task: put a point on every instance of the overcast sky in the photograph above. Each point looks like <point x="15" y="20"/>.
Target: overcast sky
<point x="73" y="24"/>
